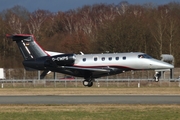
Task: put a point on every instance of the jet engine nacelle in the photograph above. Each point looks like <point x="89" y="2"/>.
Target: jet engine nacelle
<point x="47" y="62"/>
<point x="64" y="59"/>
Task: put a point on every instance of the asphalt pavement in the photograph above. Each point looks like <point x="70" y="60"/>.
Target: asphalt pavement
<point x="91" y="99"/>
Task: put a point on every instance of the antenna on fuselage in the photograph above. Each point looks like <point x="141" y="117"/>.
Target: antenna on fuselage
<point x="81" y="53"/>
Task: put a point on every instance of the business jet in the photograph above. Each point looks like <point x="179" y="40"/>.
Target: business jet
<point x="88" y="66"/>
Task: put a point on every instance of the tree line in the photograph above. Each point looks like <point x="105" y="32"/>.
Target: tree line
<point x="98" y="28"/>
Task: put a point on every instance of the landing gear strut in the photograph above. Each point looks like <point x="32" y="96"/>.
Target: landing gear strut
<point x="157" y="75"/>
<point x="88" y="83"/>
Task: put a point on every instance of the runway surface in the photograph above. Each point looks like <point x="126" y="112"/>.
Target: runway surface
<point x="92" y="99"/>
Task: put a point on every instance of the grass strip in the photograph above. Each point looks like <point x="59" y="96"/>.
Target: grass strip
<point x="89" y="112"/>
<point x="88" y="91"/>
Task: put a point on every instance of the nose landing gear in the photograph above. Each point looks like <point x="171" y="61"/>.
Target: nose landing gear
<point x="157" y="76"/>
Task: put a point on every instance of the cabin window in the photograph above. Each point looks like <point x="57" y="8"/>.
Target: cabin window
<point x="84" y="59"/>
<point x="117" y="58"/>
<point x="124" y="58"/>
<point x="110" y="58"/>
<point x="95" y="58"/>
<point x="103" y="58"/>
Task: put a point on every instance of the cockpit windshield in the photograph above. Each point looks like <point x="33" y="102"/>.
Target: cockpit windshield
<point x="144" y="56"/>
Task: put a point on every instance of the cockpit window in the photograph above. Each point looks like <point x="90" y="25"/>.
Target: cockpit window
<point x="140" y="56"/>
<point x="144" y="56"/>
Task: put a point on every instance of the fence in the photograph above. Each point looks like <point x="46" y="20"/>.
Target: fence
<point x="23" y="78"/>
<point x="119" y="83"/>
<point x="21" y="73"/>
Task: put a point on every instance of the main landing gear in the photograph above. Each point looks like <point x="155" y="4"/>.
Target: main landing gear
<point x="88" y="83"/>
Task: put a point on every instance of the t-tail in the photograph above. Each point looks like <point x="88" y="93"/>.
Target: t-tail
<point x="28" y="46"/>
<point x="35" y="58"/>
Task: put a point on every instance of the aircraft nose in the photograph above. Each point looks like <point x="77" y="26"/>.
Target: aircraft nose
<point x="167" y="65"/>
<point x="162" y="65"/>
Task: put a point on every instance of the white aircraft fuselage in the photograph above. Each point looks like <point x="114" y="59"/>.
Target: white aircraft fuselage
<point x="88" y="66"/>
<point x="120" y="60"/>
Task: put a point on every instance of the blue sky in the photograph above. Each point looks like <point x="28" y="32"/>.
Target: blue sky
<point x="65" y="5"/>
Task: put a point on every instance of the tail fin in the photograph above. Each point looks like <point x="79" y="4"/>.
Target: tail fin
<point x="28" y="46"/>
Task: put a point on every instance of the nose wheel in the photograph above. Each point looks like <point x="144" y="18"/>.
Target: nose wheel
<point x="88" y="83"/>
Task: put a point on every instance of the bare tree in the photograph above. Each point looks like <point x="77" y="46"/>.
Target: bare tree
<point x="69" y="21"/>
<point x="15" y="24"/>
<point x="15" y="18"/>
<point x="36" y="19"/>
<point x="171" y="31"/>
<point x="122" y="7"/>
<point x="158" y="27"/>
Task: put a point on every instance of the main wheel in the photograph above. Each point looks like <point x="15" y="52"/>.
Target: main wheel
<point x="87" y="83"/>
<point x="90" y="84"/>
